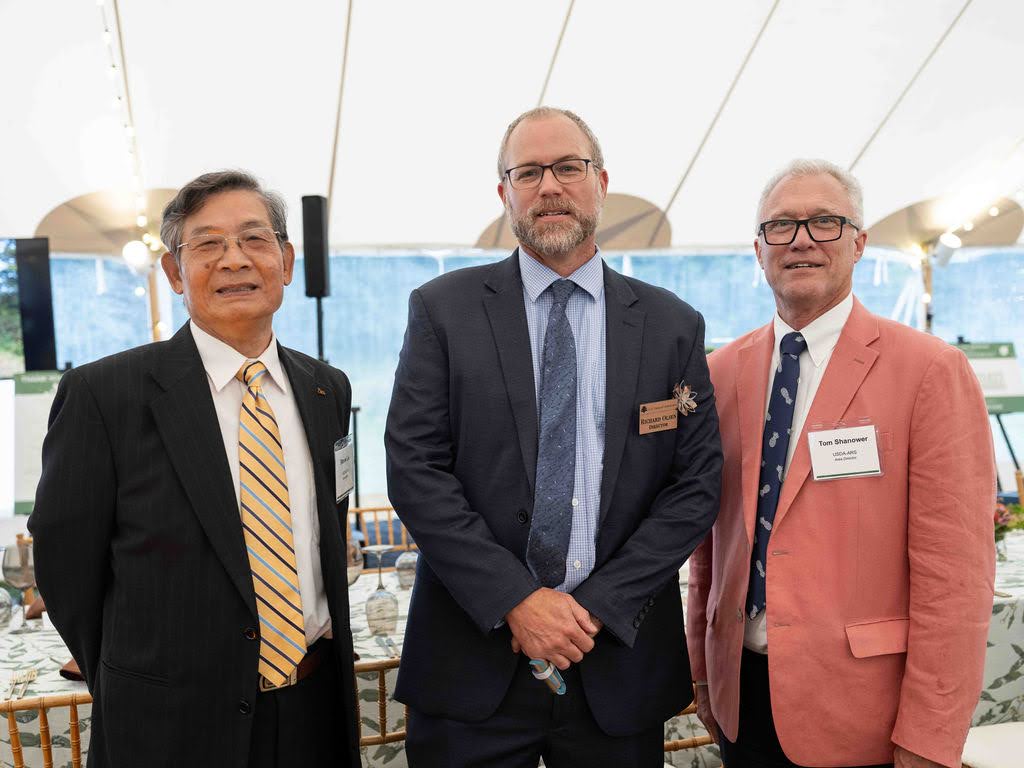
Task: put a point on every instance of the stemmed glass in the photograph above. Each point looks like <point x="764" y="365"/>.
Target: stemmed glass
<point x="381" y="606"/>
<point x="19" y="569"/>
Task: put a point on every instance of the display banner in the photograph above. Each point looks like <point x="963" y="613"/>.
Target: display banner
<point x="995" y="364"/>
<point x="33" y="396"/>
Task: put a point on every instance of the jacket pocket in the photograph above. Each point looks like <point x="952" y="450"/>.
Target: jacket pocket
<point x="144" y="677"/>
<point x="877" y="638"/>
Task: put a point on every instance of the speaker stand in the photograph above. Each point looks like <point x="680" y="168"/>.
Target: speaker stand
<point x="320" y="331"/>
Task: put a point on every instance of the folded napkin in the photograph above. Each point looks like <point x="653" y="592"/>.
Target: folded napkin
<point x="35" y="609"/>
<point x="70" y="671"/>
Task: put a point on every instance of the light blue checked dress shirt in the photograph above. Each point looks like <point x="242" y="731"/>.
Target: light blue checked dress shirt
<point x="586" y="314"/>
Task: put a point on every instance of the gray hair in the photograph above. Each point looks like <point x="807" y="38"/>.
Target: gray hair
<point x="194" y="195"/>
<point x="813" y="167"/>
<point x="596" y="156"/>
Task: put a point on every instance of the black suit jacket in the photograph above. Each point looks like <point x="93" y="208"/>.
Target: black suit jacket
<point x="140" y="555"/>
<point x="462" y="451"/>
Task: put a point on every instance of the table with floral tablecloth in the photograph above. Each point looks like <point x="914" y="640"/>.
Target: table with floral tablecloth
<point x="1001" y="700"/>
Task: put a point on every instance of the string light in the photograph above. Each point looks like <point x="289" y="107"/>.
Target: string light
<point x="136" y="253"/>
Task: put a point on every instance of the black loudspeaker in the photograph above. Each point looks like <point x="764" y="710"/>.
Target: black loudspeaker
<point x="314" y="245"/>
<point x="35" y="300"/>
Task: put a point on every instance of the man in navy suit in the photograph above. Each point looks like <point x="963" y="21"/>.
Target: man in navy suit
<point x="553" y="481"/>
<point x="153" y="567"/>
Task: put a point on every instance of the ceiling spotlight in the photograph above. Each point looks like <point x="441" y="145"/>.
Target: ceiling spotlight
<point x="140" y="291"/>
<point x="993" y="211"/>
<point x="141" y="221"/>
<point x="926" y="298"/>
<point x="950" y="239"/>
<point x="968" y="226"/>
<point x="146" y="237"/>
<point x="155" y="245"/>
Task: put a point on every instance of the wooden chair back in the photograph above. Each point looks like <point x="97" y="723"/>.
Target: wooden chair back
<point x="381" y="525"/>
<point x="674" y="745"/>
<point x="385" y="736"/>
<point x="42" y="704"/>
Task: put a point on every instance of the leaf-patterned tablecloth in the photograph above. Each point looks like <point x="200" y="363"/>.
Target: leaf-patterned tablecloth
<point x="1001" y="701"/>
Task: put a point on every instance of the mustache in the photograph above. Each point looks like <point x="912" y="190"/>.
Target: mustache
<point x="545" y="206"/>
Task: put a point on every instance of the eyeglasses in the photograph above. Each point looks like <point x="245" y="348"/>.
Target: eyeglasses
<point x="564" y="171"/>
<point x="255" y="242"/>
<point x="822" y="229"/>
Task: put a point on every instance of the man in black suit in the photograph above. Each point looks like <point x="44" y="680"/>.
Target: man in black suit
<point x="188" y="539"/>
<point x="553" y="482"/>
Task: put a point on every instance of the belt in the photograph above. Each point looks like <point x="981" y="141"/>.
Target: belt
<point x="310" y="663"/>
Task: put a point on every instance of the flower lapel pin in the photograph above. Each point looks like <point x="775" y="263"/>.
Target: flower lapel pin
<point x="686" y="401"/>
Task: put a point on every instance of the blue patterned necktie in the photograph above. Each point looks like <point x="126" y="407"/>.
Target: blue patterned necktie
<point x="774" y="448"/>
<point x="556" y="451"/>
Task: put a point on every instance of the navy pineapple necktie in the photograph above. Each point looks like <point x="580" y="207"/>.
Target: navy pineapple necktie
<point x="556" y="450"/>
<point x="774" y="448"/>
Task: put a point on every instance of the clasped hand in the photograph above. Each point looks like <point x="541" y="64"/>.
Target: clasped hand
<point x="551" y="625"/>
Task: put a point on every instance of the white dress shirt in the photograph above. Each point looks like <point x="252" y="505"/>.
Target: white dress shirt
<point x="822" y="335"/>
<point x="222" y="362"/>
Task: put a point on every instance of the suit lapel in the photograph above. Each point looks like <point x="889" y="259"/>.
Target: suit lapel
<point x="751" y="390"/>
<point x="506" y="313"/>
<point x="624" y="335"/>
<point x="187" y="423"/>
<point x="851" y="360"/>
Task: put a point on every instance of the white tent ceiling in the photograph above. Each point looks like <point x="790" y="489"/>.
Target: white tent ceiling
<point x="430" y="86"/>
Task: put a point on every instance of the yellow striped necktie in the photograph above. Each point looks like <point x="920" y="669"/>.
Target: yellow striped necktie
<point x="267" y="528"/>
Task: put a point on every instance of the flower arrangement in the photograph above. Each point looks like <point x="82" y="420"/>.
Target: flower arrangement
<point x="1006" y="518"/>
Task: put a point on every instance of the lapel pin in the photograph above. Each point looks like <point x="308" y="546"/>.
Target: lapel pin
<point x="685" y="398"/>
<point x="321" y="392"/>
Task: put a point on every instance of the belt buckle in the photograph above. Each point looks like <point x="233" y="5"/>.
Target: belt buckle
<point x="266" y="685"/>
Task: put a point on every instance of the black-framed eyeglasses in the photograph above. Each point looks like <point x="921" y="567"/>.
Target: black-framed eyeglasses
<point x="564" y="171"/>
<point x="822" y="229"/>
<point x="254" y="242"/>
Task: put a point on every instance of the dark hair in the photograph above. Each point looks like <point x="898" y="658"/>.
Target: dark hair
<point x="194" y="195"/>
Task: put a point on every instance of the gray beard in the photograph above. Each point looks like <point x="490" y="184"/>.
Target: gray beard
<point x="553" y="241"/>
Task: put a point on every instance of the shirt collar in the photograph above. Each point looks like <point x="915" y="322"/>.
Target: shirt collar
<point x="222" y="361"/>
<point x="537" y="277"/>
<point x="822" y="333"/>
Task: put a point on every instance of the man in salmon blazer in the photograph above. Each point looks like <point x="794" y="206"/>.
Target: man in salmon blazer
<point x="838" y="611"/>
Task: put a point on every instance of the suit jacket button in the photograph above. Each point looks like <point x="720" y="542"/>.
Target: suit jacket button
<point x="244" y="706"/>
<point x="521" y="516"/>
<point x="250" y="633"/>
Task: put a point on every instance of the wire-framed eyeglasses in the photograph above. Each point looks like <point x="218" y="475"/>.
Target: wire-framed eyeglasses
<point x="822" y="229"/>
<point x="255" y="241"/>
<point x="565" y="172"/>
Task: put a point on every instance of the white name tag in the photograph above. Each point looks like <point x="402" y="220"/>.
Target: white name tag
<point x="845" y="452"/>
<point x="344" y="467"/>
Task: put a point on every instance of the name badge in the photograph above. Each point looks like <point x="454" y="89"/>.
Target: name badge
<point x="844" y="452"/>
<point x="659" y="416"/>
<point x="344" y="468"/>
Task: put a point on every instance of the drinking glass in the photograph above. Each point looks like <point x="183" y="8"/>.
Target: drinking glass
<point x="19" y="569"/>
<point x="381" y="606"/>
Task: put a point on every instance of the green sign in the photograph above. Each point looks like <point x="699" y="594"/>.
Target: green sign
<point x="995" y="364"/>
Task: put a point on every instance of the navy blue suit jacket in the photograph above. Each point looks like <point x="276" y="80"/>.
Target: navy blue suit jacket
<point x="461" y="444"/>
